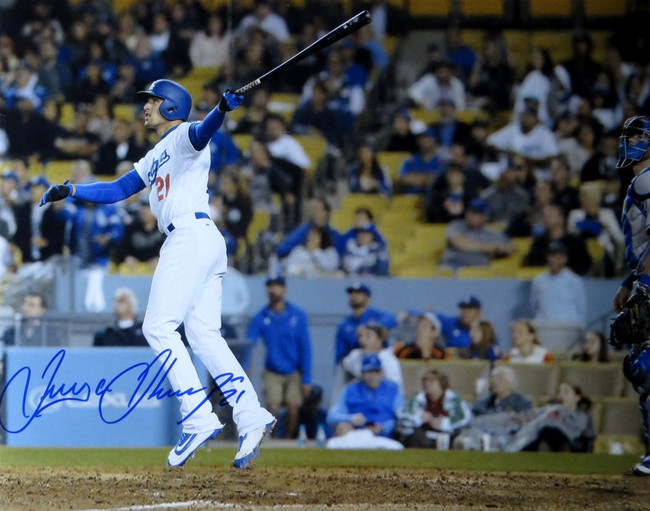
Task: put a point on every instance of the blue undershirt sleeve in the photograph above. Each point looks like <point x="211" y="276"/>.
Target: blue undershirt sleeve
<point x="201" y="132"/>
<point x="115" y="191"/>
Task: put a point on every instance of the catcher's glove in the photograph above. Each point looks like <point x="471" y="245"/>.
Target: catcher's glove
<point x="632" y="324"/>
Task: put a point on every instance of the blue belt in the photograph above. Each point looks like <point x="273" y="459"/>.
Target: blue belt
<point x="197" y="215"/>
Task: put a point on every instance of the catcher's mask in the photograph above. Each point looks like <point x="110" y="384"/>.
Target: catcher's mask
<point x="177" y="101"/>
<point x="631" y="151"/>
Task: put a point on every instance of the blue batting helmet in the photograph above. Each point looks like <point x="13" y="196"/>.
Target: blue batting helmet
<point x="177" y="101"/>
<point x="629" y="153"/>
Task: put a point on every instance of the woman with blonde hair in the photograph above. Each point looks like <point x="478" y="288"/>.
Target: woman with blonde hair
<point x="483" y="344"/>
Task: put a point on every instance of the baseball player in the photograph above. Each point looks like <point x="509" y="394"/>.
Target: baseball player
<point x="186" y="285"/>
<point x="632" y="300"/>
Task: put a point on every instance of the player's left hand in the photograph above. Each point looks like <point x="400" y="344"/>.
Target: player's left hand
<point x="230" y="101"/>
<point x="56" y="193"/>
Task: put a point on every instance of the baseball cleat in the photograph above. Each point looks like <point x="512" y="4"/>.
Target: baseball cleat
<point x="187" y="444"/>
<point x="643" y="468"/>
<point x="249" y="445"/>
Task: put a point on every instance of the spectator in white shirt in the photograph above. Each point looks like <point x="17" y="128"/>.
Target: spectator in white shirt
<point x="432" y="87"/>
<point x="264" y="18"/>
<point x="558" y="294"/>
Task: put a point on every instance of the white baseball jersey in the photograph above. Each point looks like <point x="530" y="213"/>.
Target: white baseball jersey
<point x="178" y="176"/>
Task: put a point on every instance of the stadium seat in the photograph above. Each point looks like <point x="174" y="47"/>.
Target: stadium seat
<point x="550" y="8"/>
<point x="618" y="444"/>
<point x="58" y="171"/>
<point x="536" y="379"/>
<point x="620" y="416"/>
<point x="429" y="8"/>
<point x="482" y="8"/>
<point x="125" y="111"/>
<point x="604" y="8"/>
<point x="392" y="161"/>
<point x="376" y="203"/>
<point x="559" y="47"/>
<point x="594" y="380"/>
<point x="559" y="336"/>
<point x="243" y="141"/>
<point x="259" y="223"/>
<point x="476" y="272"/>
<point x="315" y="146"/>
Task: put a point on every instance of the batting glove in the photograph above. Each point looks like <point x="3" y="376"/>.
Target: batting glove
<point x="230" y="101"/>
<point x="56" y="193"/>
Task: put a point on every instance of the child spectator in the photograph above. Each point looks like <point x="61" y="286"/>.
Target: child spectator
<point x="526" y="346"/>
<point x="484" y="344"/>
<point x="427" y="343"/>
<point x="594" y="348"/>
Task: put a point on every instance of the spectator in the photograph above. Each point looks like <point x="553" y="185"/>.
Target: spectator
<point x="422" y="167"/>
<point x="318" y="211"/>
<point x="434" y="409"/>
<point x="593" y="221"/>
<point x="9" y="197"/>
<point x="24" y="85"/>
<point x="264" y="18"/>
<point x="564" y="194"/>
<point x="570" y="427"/>
<point x="427" y="92"/>
<point x="223" y="150"/>
<point x="39" y="230"/>
<point x="470" y="242"/>
<point x="316" y="257"/>
<point x="554" y="229"/>
<point x="254" y="115"/>
<point x="363" y="219"/>
<point x="121" y="146"/>
<point x="102" y="117"/>
<point x="427" y="343"/>
<point x="33" y="327"/>
<point x="493" y="76"/>
<point x="78" y="142"/>
<point x="315" y="117"/>
<point x="236" y="204"/>
<point x="531" y="220"/>
<point x="372" y="403"/>
<point x="484" y="345"/>
<point x="449" y="128"/>
<point x="284" y="327"/>
<point x="558" y="294"/>
<point x="460" y="54"/>
<point x="506" y="197"/>
<point x="367" y="175"/>
<point x="503" y="396"/>
<point x="28" y="132"/>
<point x="364" y="254"/>
<point x="359" y="298"/>
<point x="373" y="338"/>
<point x="581" y="67"/>
<point x="526" y="137"/>
<point x="526" y="346"/>
<point x="142" y="240"/>
<point x="456" y="329"/>
<point x="90" y="84"/>
<point x="210" y="46"/>
<point x="127" y="330"/>
<point x="595" y="348"/>
<point x="400" y="136"/>
<point x="149" y="65"/>
<point x="311" y="414"/>
<point x="541" y="84"/>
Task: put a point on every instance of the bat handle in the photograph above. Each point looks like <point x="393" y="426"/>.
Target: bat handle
<point x="246" y="88"/>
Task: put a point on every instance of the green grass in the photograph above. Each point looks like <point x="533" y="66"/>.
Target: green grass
<point x="13" y="457"/>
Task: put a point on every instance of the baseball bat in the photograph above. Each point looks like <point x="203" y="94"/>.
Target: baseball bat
<point x="343" y="30"/>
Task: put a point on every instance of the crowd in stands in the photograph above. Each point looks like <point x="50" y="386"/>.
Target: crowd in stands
<point x="536" y="158"/>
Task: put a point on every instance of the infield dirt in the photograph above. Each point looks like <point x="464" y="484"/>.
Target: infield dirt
<point x="338" y="489"/>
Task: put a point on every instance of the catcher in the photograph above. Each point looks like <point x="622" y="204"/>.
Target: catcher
<point x="631" y="327"/>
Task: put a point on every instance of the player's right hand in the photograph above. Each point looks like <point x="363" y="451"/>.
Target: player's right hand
<point x="622" y="296"/>
<point x="230" y="101"/>
<point x="56" y="193"/>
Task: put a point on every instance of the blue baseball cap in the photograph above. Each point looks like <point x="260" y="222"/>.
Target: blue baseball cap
<point x="370" y="362"/>
<point x="478" y="205"/>
<point x="358" y="287"/>
<point x="470" y="301"/>
<point x="38" y="181"/>
<point x="278" y="279"/>
<point x="9" y="174"/>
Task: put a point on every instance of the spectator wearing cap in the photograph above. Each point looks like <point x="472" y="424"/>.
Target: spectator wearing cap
<point x="284" y="328"/>
<point x="449" y="128"/>
<point x="365" y="254"/>
<point x="426" y="92"/>
<point x="372" y="403"/>
<point x="506" y="197"/>
<point x="359" y="298"/>
<point x="456" y="330"/>
<point x="558" y="294"/>
<point x="427" y="343"/>
<point x="423" y="166"/>
<point x="527" y="137"/>
<point x="470" y="242"/>
<point x="40" y="231"/>
<point x="373" y="338"/>
<point x="450" y="194"/>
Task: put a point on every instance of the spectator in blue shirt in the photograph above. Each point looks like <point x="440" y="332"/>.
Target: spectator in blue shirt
<point x="359" y="300"/>
<point x="456" y="329"/>
<point x="284" y="327"/>
<point x="422" y="167"/>
<point x="371" y="403"/>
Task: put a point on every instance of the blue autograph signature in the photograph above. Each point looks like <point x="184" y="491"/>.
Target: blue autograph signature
<point x="147" y="381"/>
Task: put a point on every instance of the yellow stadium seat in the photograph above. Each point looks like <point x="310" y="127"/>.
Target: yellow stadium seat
<point x="408" y="201"/>
<point x="418" y="271"/>
<point x="424" y="115"/>
<point x="604" y="8"/>
<point x="58" y="171"/>
<point x="314" y="145"/>
<point x="125" y="111"/>
<point x="619" y="444"/>
<point x="67" y="115"/>
<point x="427" y="8"/>
<point x="559" y="47"/>
<point x="259" y="223"/>
<point x="376" y="203"/>
<point x="550" y="8"/>
<point x="243" y="141"/>
<point x="482" y="8"/>
<point x="205" y="74"/>
<point x="392" y="161"/>
<point x="605" y="380"/>
<point x="137" y="269"/>
<point x="529" y="272"/>
<point x="620" y="416"/>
